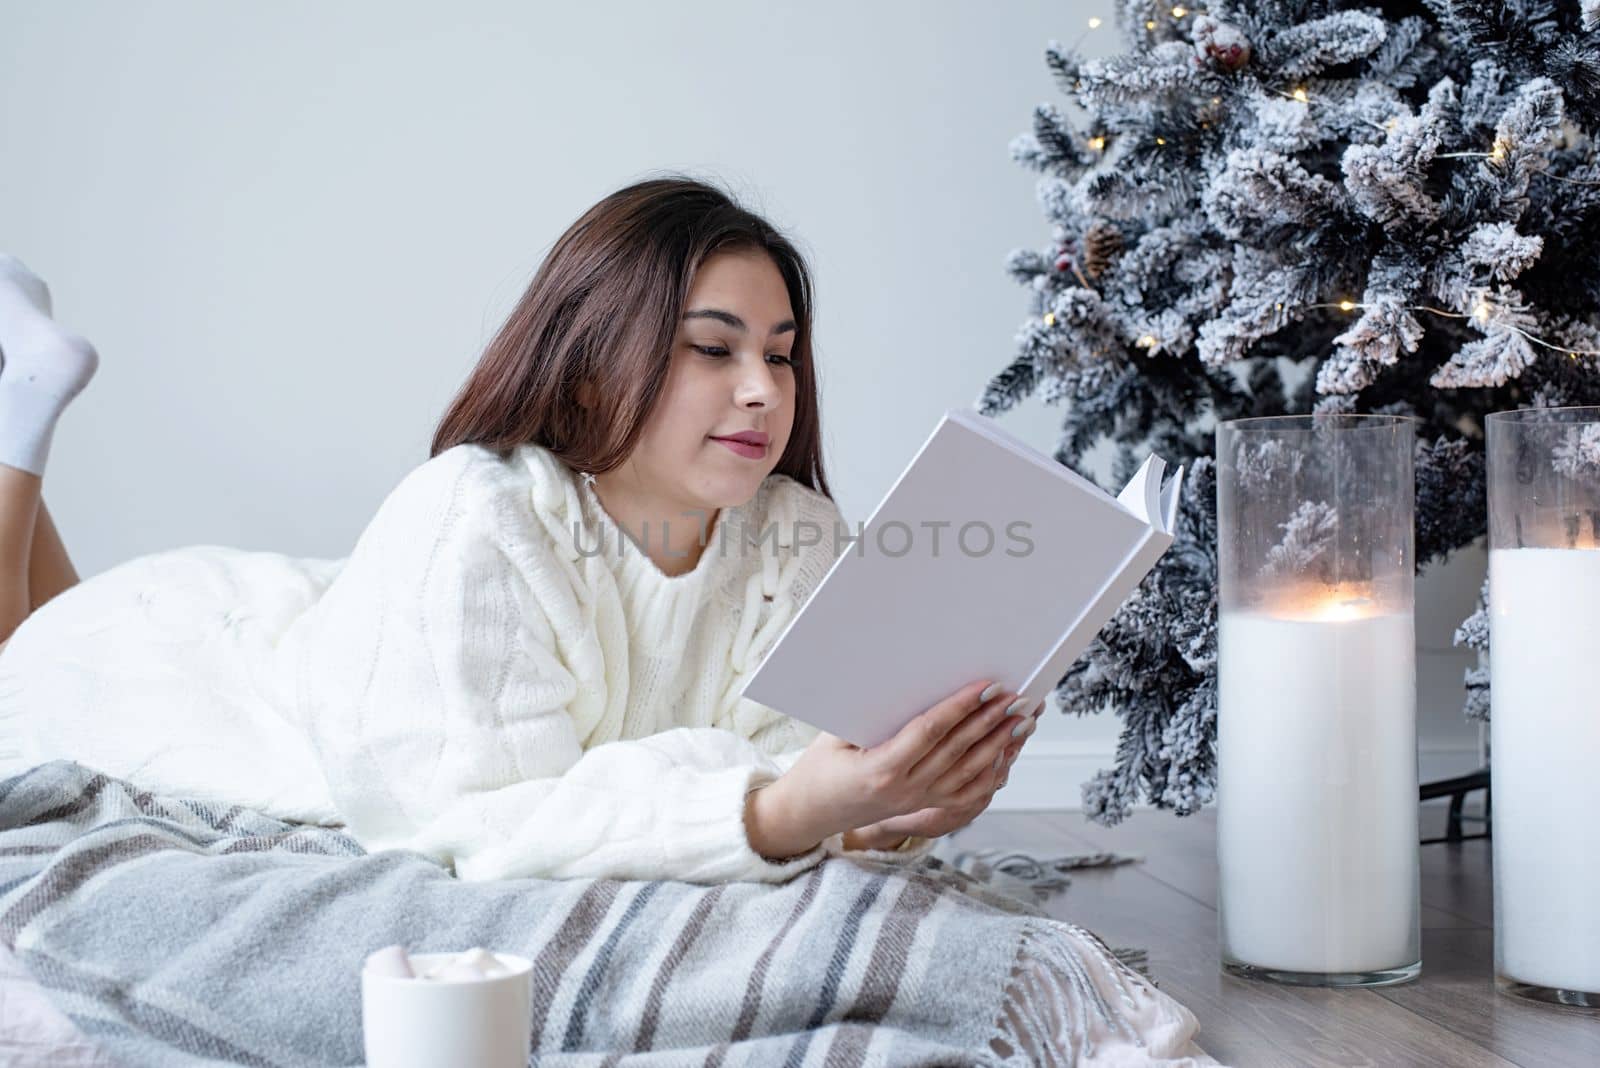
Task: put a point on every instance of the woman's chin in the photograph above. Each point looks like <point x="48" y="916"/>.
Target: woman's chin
<point x="727" y="493"/>
<point x="731" y="480"/>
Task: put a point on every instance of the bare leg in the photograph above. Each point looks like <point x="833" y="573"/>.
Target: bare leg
<point x="20" y="506"/>
<point x="50" y="569"/>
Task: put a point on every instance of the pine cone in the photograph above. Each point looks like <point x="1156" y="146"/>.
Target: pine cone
<point x="1101" y="244"/>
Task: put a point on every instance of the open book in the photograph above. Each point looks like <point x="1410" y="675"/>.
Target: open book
<point x="986" y="559"/>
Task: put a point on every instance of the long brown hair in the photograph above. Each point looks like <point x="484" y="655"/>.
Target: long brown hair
<point x="604" y="308"/>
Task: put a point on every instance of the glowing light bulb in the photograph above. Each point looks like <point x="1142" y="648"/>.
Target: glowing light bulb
<point x="1300" y="94"/>
<point x="1161" y="140"/>
<point x="1147" y="342"/>
<point x="1347" y="305"/>
<point x="1150" y="25"/>
<point x="1097" y="143"/>
<point x="1498" y="152"/>
<point x="1482" y="311"/>
<point x="1049" y="318"/>
<point x="1179" y="11"/>
<point x="1094" y="23"/>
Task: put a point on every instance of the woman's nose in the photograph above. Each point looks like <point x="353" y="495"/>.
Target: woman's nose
<point x="757" y="386"/>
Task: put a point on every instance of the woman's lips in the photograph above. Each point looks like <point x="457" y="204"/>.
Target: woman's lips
<point x="745" y="449"/>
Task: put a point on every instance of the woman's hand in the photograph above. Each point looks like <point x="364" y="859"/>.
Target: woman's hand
<point x="937" y="773"/>
<point x="933" y="822"/>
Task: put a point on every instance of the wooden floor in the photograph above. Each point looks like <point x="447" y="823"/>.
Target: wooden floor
<point x="1450" y="1016"/>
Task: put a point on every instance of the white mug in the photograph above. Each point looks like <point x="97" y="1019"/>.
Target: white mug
<point x="426" y="1023"/>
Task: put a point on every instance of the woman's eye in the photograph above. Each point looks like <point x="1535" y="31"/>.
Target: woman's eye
<point x="718" y="350"/>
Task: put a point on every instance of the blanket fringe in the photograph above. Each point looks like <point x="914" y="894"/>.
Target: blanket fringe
<point x="1052" y="1011"/>
<point x="1043" y="875"/>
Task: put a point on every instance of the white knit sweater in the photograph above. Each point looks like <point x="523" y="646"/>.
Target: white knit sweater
<point x="496" y="677"/>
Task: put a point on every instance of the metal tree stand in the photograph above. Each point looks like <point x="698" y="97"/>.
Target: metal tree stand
<point x="1456" y="790"/>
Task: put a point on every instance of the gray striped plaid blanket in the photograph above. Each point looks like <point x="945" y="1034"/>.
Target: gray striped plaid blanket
<point x="177" y="932"/>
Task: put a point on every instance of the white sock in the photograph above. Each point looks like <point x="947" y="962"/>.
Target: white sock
<point x="42" y="367"/>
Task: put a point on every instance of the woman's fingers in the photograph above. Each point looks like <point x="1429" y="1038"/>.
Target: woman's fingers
<point x="978" y="792"/>
<point x="986" y="760"/>
<point x="919" y="737"/>
<point x="1007" y="708"/>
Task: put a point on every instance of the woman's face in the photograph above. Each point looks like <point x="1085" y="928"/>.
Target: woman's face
<point x="730" y="372"/>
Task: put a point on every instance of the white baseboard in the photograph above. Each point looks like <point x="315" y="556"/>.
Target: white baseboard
<point x="1050" y="774"/>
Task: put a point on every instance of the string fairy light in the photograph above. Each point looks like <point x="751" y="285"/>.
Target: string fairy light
<point x="1497" y="153"/>
<point x="1179" y="11"/>
<point x="1094" y="24"/>
<point x="1482" y="311"/>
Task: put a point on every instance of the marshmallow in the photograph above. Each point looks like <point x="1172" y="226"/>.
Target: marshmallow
<point x="481" y="959"/>
<point x="468" y="965"/>
<point x="432" y="970"/>
<point x="391" y="960"/>
<point x="455" y="971"/>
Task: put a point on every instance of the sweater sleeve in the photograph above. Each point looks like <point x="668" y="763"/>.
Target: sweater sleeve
<point x="429" y="679"/>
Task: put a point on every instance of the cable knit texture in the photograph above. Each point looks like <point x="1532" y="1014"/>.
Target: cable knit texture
<point x="496" y="676"/>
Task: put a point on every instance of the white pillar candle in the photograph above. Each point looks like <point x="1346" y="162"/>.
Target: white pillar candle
<point x="1544" y="751"/>
<point x="1317" y="836"/>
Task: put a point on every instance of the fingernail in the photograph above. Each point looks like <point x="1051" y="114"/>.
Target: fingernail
<point x="1011" y="757"/>
<point x="1038" y="709"/>
<point x="1022" y="728"/>
<point x="1015" y="708"/>
<point x="1002" y="784"/>
<point x="999" y="760"/>
<point x="989" y="692"/>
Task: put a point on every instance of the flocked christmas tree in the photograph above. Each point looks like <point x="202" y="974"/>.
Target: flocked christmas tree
<point x="1292" y="206"/>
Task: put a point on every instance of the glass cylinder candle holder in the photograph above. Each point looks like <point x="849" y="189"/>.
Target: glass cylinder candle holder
<point x="1317" y="794"/>
<point x="1544" y="694"/>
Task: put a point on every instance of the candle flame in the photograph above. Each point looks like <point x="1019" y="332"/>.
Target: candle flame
<point x="1340" y="604"/>
<point x="1341" y="610"/>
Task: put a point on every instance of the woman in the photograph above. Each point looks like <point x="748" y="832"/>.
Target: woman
<point x="530" y="663"/>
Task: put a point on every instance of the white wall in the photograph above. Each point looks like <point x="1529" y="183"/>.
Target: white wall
<point x="291" y="227"/>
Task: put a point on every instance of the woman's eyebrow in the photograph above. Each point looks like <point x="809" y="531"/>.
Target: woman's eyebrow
<point x="733" y="320"/>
